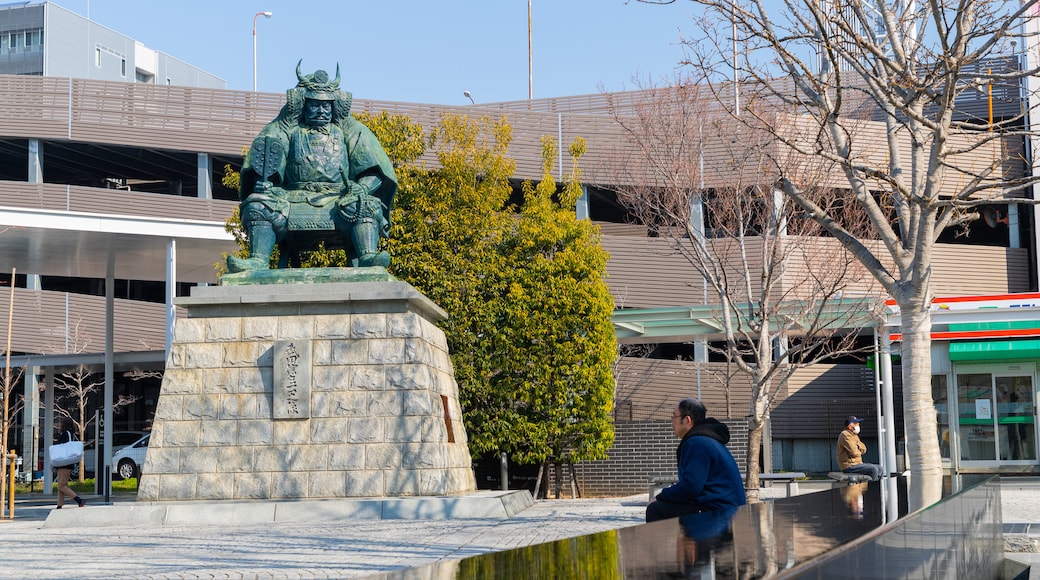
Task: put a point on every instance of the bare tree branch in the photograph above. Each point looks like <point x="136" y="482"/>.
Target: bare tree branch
<point x="777" y="287"/>
<point x="879" y="91"/>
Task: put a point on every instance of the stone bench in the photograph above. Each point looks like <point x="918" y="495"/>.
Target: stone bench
<point x="848" y="478"/>
<point x="791" y="478"/>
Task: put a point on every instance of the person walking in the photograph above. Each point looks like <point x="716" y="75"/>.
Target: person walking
<point x="709" y="479"/>
<point x="851" y="450"/>
<point x="65" y="473"/>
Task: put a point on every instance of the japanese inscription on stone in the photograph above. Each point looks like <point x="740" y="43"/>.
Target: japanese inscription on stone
<point x="292" y="379"/>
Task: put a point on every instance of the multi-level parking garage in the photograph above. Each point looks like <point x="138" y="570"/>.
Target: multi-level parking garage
<point x="114" y="185"/>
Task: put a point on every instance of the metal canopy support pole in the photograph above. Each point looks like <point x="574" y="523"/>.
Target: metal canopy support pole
<point x="888" y="407"/>
<point x="171" y="292"/>
<point x="110" y="293"/>
<point x="878" y="388"/>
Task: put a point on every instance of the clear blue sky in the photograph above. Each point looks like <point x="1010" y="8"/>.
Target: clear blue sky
<point x="425" y="51"/>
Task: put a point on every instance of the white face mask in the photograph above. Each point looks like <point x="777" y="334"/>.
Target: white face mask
<point x="855" y="429"/>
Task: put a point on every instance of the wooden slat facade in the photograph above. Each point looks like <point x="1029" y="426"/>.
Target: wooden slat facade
<point x="57" y="197"/>
<point x="649" y="272"/>
<point x="648" y="389"/>
<point x="222" y="122"/>
<point x="47" y="322"/>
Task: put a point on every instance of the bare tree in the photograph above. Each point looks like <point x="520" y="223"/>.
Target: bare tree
<point x="12" y="405"/>
<point x="774" y="286"/>
<point x="77" y="386"/>
<point x="878" y="89"/>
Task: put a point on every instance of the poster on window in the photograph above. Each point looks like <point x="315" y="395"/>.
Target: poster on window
<point x="983" y="409"/>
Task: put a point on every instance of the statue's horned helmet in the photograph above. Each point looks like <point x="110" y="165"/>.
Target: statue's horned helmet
<point x="317" y="86"/>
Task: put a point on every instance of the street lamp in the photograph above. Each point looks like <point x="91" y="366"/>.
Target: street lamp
<point x="265" y="15"/>
<point x="530" y="56"/>
<point x="469" y="96"/>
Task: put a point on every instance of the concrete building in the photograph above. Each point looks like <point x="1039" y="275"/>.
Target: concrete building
<point x="47" y="40"/>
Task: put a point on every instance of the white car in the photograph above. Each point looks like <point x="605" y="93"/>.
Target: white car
<point x="127" y="462"/>
<point x="120" y="439"/>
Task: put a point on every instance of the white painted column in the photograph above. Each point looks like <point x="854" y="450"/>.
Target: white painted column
<point x="1014" y="227"/>
<point x="581" y="209"/>
<point x="700" y="344"/>
<point x="205" y="176"/>
<point x="31" y="420"/>
<point x="31" y="408"/>
<point x="48" y="428"/>
<point x="779" y="218"/>
<point x="1031" y="59"/>
<point x="35" y="161"/>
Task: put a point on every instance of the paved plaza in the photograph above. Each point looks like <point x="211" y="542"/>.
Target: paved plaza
<point x="351" y="549"/>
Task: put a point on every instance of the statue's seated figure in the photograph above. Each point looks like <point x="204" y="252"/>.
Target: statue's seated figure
<point x="315" y="174"/>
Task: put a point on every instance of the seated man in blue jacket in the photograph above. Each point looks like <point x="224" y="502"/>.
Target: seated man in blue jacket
<point x="709" y="479"/>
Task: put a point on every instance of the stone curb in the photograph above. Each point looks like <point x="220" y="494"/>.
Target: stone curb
<point x="478" y="505"/>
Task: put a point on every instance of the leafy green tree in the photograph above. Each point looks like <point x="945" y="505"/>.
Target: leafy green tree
<point x="530" y="313"/>
<point x="445" y="240"/>
<point x="560" y="344"/>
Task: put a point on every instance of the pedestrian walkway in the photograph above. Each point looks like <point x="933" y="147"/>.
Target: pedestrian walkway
<point x="350" y="549"/>
<point x="294" y="550"/>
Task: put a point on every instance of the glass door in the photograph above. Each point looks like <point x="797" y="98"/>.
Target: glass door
<point x="1016" y="437"/>
<point x="995" y="415"/>
<point x="975" y="417"/>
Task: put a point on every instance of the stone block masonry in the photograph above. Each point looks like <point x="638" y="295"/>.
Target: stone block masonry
<point x="381" y="416"/>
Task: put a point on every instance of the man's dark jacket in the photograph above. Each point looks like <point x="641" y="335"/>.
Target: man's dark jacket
<point x="708" y="475"/>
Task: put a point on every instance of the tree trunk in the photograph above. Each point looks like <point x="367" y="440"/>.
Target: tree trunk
<point x="751" y="482"/>
<point x="558" y="487"/>
<point x="575" y="490"/>
<point x="538" y="480"/>
<point x="919" y="420"/>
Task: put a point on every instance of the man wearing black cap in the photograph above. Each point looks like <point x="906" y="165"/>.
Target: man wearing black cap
<point x="709" y="479"/>
<point x="851" y="450"/>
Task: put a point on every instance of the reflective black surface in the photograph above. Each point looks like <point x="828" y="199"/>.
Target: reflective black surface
<point x="849" y="532"/>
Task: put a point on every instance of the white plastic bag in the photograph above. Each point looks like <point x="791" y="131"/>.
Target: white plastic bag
<point x="66" y="454"/>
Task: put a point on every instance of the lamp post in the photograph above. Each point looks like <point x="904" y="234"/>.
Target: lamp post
<point x="530" y="56"/>
<point x="265" y="15"/>
<point x="469" y="96"/>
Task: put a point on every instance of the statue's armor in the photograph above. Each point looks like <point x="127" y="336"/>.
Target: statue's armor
<point x="316" y="160"/>
<point x="303" y="178"/>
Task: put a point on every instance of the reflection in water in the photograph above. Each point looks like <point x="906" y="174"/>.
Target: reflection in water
<point x="702" y="537"/>
<point x="781" y="538"/>
<point x="853" y="495"/>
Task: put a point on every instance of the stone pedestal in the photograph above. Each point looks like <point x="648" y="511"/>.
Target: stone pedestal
<point x="306" y="391"/>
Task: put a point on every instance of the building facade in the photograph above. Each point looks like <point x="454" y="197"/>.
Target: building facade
<point x="47" y="40"/>
<point x="111" y="206"/>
